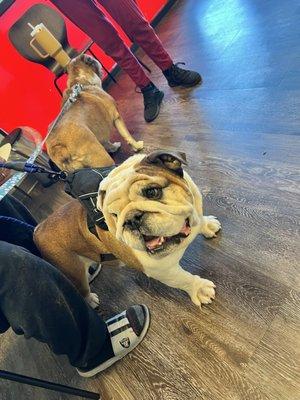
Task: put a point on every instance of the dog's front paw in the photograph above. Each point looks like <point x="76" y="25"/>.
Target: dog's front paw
<point x="203" y="291"/>
<point x="210" y="226"/>
<point x="137" y="146"/>
<point x="93" y="300"/>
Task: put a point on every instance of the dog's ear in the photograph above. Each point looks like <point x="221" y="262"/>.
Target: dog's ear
<point x="85" y="58"/>
<point x="197" y="198"/>
<point x="102" y="193"/>
<point x="172" y="161"/>
<point x="100" y="199"/>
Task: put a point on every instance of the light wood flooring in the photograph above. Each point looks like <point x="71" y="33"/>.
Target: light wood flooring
<point x="240" y="132"/>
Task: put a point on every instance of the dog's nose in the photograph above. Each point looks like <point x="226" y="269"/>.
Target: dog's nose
<point x="135" y="221"/>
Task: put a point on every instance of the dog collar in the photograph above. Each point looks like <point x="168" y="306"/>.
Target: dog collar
<point x="83" y="185"/>
<point x="75" y="92"/>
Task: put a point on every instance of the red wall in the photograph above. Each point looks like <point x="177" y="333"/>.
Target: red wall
<point x="27" y="93"/>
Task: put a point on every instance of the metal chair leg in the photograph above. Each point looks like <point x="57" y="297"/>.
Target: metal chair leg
<point x="56" y="85"/>
<point x="92" y="53"/>
<point x="106" y="70"/>
<point x="48" y="385"/>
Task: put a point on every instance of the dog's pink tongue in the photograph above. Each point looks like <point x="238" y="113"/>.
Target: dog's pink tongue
<point x="153" y="243"/>
<point x="186" y="229"/>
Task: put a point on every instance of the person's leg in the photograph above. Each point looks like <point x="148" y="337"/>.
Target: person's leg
<point x="12" y="207"/>
<point x="130" y="18"/>
<point x="17" y="232"/>
<point x="128" y="15"/>
<point x="17" y="226"/>
<point x="90" y="19"/>
<point x="43" y="304"/>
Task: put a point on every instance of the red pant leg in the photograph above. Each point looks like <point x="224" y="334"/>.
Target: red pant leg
<point x="128" y="15"/>
<point x="90" y="19"/>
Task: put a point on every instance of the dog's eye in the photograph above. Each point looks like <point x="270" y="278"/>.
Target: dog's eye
<point x="153" y="193"/>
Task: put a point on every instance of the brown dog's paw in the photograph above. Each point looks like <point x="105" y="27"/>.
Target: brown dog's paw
<point x="111" y="147"/>
<point x="93" y="300"/>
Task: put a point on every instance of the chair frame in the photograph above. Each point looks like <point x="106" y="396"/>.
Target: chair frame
<point x="48" y="385"/>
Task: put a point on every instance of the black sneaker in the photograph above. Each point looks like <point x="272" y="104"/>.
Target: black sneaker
<point x="177" y="76"/>
<point x="152" y="100"/>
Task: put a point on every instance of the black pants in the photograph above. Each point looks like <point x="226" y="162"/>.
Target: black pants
<point x="37" y="300"/>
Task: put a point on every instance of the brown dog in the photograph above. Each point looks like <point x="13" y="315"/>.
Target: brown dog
<point x="153" y="211"/>
<point x="81" y="137"/>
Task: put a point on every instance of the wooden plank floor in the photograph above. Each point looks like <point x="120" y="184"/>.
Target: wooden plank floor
<point x="240" y="133"/>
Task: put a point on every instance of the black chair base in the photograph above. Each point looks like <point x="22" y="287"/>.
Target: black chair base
<point x="48" y="385"/>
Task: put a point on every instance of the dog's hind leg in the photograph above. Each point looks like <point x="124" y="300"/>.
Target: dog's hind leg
<point x="75" y="268"/>
<point x="72" y="265"/>
<point x="123" y="131"/>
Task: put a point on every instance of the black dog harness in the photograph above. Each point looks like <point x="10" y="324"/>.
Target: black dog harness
<point x="83" y="185"/>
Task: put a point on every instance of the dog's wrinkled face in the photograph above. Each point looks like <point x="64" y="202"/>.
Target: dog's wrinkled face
<point x="84" y="69"/>
<point x="148" y="204"/>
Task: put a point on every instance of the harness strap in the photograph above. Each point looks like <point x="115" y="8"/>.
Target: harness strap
<point x="83" y="185"/>
<point x="95" y="217"/>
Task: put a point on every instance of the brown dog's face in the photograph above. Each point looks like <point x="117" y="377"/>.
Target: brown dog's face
<point x="148" y="204"/>
<point x="84" y="69"/>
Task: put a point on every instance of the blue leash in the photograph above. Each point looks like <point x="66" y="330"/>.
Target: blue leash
<point x="34" y="169"/>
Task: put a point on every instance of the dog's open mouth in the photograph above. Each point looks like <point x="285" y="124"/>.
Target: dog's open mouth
<point x="156" y="243"/>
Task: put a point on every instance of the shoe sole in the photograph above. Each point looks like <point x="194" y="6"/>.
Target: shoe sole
<point x="113" y="360"/>
<point x="156" y="115"/>
<point x="186" y="86"/>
